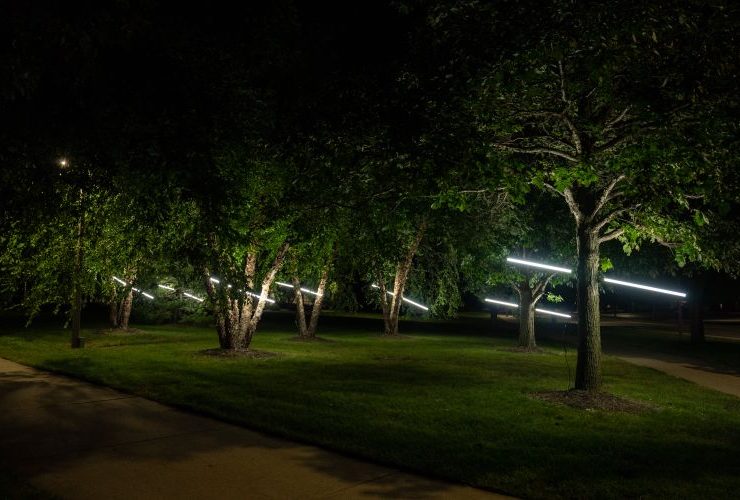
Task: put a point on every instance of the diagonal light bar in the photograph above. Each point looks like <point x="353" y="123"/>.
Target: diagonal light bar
<point x="501" y="302"/>
<point x="214" y="280"/>
<point x="166" y="287"/>
<point x="545" y="311"/>
<point x="120" y="280"/>
<point x="420" y="306"/>
<point x="645" y="287"/>
<point x="186" y="294"/>
<point x="147" y="295"/>
<point x="267" y="299"/>
<point x="306" y="290"/>
<point x="537" y="264"/>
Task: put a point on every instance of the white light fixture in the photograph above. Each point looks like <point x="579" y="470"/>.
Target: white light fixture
<point x="136" y="290"/>
<point x="420" y="306"/>
<point x="258" y="296"/>
<point x="306" y="290"/>
<point x="147" y="295"/>
<point x="537" y="264"/>
<point x="192" y="297"/>
<point x="545" y="311"/>
<point x="166" y="287"/>
<point x="645" y="287"/>
<point x="214" y="280"/>
<point x="501" y="302"/>
<point x="120" y="281"/>
<point x="63" y="162"/>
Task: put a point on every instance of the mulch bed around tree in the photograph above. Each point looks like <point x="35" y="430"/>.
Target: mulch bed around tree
<point x="242" y="353"/>
<point x="586" y="400"/>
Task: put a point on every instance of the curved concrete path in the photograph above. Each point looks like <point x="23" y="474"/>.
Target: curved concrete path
<point x="692" y="370"/>
<point x="77" y="440"/>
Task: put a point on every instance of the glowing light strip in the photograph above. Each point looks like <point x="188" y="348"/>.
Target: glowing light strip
<point x="288" y="285"/>
<point x="405" y="299"/>
<point x="545" y="311"/>
<point x="166" y="287"/>
<point x="645" y="287"/>
<point x="509" y="304"/>
<point x="258" y="296"/>
<point x="120" y="280"/>
<point x="147" y="295"/>
<point x="537" y="264"/>
<point x="214" y="280"/>
<point x="193" y="297"/>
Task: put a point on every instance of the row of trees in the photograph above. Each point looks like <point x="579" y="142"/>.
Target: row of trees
<point x="298" y="141"/>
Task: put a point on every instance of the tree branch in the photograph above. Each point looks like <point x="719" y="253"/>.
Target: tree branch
<point x="538" y="150"/>
<point x="612" y="235"/>
<point x="605" y="196"/>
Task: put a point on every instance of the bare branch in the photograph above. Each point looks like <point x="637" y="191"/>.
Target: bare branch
<point x="612" y="216"/>
<point x="576" y="137"/>
<point x="573" y="205"/>
<point x="562" y="82"/>
<point x="605" y="196"/>
<point x="539" y="150"/>
<point x="553" y="189"/>
<point x="616" y="120"/>
<point x="612" y="235"/>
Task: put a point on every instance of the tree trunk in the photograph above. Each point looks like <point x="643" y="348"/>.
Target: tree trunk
<point x="318" y="302"/>
<point x="125" y="311"/>
<point x="696" y="310"/>
<point x="300" y="312"/>
<point x="588" y="366"/>
<point x="526" y="320"/>
<point x="113" y="311"/>
<point x="75" y="341"/>
<point x="402" y="273"/>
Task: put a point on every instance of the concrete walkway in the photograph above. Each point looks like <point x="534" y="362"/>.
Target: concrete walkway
<point x="77" y="440"/>
<point x="692" y="370"/>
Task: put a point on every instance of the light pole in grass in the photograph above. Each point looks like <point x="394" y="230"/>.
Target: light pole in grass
<point x="76" y="340"/>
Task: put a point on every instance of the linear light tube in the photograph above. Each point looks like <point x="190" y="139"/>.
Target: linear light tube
<point x="537" y="264"/>
<point x="288" y="285"/>
<point x="545" y="311"/>
<point x="508" y="304"/>
<point x="192" y="297"/>
<point x="405" y="299"/>
<point x="258" y="296"/>
<point x="120" y="280"/>
<point x="147" y="295"/>
<point x="645" y="287"/>
<point x="136" y="290"/>
<point x="166" y="287"/>
<point x="214" y="280"/>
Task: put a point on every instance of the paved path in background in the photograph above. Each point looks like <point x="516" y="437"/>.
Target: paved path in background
<point x="692" y="370"/>
<point x="78" y="440"/>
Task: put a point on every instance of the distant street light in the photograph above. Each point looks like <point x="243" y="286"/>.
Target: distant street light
<point x="537" y="264"/>
<point x="645" y="287"/>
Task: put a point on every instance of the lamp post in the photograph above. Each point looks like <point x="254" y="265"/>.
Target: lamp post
<point x="75" y="340"/>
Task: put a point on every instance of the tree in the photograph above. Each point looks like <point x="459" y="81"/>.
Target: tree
<point x="621" y="108"/>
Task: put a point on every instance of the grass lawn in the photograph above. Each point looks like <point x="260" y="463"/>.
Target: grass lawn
<point x="455" y="406"/>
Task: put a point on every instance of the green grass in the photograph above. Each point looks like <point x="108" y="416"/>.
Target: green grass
<point x="455" y="406"/>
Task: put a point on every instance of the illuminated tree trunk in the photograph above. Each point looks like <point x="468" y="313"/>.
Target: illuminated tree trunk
<point x="125" y="310"/>
<point x="391" y="306"/>
<point x="300" y="311"/>
<point x="526" y="320"/>
<point x="318" y="302"/>
<point x="588" y="366"/>
<point x="238" y="315"/>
